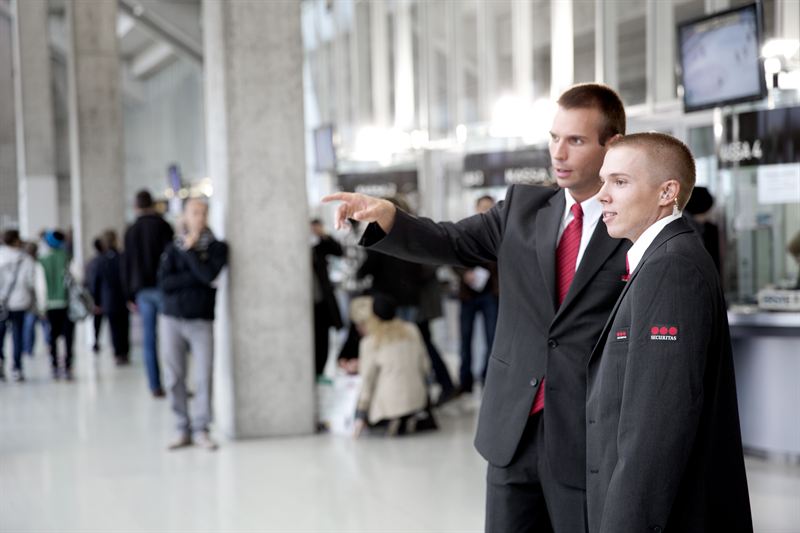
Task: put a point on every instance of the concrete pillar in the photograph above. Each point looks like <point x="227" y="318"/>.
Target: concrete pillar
<point x="254" y="128"/>
<point x="562" y="47"/>
<point x="379" y="37"/>
<point x="33" y="104"/>
<point x="487" y="59"/>
<point x="455" y="64"/>
<point x="404" y="106"/>
<point x="605" y="38"/>
<point x="787" y="18"/>
<point x="95" y="122"/>
<point x="522" y="48"/>
<point x="660" y="37"/>
<point x="8" y="142"/>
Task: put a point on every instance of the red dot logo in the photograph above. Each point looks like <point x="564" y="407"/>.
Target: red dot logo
<point x="664" y="330"/>
<point x="673" y="330"/>
<point x="654" y="330"/>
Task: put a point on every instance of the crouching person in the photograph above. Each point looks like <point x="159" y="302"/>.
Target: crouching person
<point x="188" y="268"/>
<point x="394" y="366"/>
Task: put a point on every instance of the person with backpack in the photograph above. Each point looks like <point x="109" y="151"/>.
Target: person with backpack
<point x="17" y="271"/>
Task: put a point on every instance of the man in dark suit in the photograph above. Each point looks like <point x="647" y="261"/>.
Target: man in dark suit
<point x="560" y="274"/>
<point x="326" y="308"/>
<point x="664" y="450"/>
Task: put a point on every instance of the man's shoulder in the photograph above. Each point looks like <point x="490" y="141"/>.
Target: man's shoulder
<point x="532" y="196"/>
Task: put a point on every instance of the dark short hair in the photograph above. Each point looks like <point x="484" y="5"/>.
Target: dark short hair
<point x="668" y="157"/>
<point x="109" y="239"/>
<point x="600" y="97"/>
<point x="98" y="245"/>
<point x="316" y="222"/>
<point x="484" y="197"/>
<point x="144" y="200"/>
<point x="10" y="237"/>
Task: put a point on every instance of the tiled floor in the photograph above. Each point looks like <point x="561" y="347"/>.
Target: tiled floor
<point x="89" y="456"/>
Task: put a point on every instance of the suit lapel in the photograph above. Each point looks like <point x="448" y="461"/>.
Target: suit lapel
<point x="548" y="220"/>
<point x="600" y="248"/>
<point x="672" y="229"/>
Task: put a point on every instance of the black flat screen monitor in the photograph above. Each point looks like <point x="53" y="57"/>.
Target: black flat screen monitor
<point x="720" y="58"/>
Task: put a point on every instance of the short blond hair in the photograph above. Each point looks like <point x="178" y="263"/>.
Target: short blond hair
<point x="668" y="156"/>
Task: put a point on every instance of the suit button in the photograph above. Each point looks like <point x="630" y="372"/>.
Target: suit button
<point x="534" y="382"/>
<point x="656" y="529"/>
<point x="594" y="471"/>
<point x="552" y="343"/>
<point x="591" y="421"/>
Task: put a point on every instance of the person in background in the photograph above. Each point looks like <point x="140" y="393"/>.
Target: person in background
<point x="145" y="241"/>
<point x="32" y="317"/>
<point x="698" y="214"/>
<point x="90" y="274"/>
<point x="430" y="308"/>
<point x="17" y="296"/>
<point x="186" y="274"/>
<point x="326" y="308"/>
<point x="109" y="296"/>
<point x="51" y="291"/>
<point x="394" y="367"/>
<point x="478" y="293"/>
<point x="360" y="317"/>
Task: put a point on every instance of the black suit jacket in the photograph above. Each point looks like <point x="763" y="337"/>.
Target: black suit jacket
<point x="534" y="338"/>
<point x="664" y="448"/>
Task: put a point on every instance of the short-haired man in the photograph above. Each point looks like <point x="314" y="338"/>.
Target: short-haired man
<point x="187" y="272"/>
<point x="560" y="274"/>
<point x="664" y="449"/>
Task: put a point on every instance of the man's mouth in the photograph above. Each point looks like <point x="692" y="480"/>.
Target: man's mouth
<point x="562" y="172"/>
<point x="608" y="215"/>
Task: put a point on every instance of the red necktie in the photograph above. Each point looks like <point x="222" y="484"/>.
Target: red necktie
<point x="566" y="259"/>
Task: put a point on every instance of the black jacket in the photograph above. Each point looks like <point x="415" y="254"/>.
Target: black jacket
<point x="185" y="278"/>
<point x="106" y="284"/>
<point x="393" y="277"/>
<point x="664" y="450"/>
<point x="320" y="252"/>
<point x="145" y="241"/>
<point x="535" y="337"/>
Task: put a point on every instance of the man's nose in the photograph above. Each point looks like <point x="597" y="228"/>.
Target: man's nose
<point x="558" y="151"/>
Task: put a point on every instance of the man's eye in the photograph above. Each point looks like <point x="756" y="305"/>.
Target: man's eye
<point x="577" y="142"/>
<point x="619" y="182"/>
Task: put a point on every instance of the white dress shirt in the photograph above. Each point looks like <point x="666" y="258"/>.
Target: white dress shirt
<point x="644" y="241"/>
<point x="592" y="209"/>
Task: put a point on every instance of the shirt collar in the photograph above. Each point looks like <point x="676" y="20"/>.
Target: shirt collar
<point x="644" y="241"/>
<point x="592" y="208"/>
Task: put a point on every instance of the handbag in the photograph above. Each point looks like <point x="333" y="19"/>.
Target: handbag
<point x="4" y="311"/>
<point x="80" y="302"/>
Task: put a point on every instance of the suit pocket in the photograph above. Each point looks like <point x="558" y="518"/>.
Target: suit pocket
<point x="499" y="360"/>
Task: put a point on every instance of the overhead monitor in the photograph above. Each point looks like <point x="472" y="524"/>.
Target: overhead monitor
<point x="720" y="58"/>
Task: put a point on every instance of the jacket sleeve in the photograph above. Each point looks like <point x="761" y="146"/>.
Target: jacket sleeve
<point x="662" y="393"/>
<point x="330" y="246"/>
<point x="206" y="272"/>
<point x="472" y="241"/>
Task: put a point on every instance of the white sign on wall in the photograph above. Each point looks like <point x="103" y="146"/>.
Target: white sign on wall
<point x="779" y="184"/>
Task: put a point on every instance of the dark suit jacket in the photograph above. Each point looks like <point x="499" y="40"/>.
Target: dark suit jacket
<point x="663" y="443"/>
<point x="534" y="336"/>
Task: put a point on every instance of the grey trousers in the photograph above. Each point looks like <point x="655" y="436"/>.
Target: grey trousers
<point x="177" y="338"/>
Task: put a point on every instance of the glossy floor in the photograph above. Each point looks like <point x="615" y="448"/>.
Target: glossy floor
<point x="90" y="456"/>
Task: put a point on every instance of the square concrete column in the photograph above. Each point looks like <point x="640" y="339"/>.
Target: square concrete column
<point x="95" y="122"/>
<point x="33" y="105"/>
<point x="264" y="382"/>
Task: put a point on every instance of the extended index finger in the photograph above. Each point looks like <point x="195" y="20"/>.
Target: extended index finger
<point x="338" y="196"/>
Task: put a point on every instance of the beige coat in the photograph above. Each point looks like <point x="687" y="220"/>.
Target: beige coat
<point x="394" y="373"/>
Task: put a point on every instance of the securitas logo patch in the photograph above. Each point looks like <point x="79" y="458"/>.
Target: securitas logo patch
<point x="621" y="334"/>
<point x="663" y="333"/>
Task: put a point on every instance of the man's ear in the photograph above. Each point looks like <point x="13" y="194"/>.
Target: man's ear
<point x="613" y="139"/>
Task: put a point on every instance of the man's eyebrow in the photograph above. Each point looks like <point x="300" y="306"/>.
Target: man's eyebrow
<point x="618" y="174"/>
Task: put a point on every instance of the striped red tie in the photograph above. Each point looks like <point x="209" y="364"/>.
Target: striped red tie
<point x="566" y="259"/>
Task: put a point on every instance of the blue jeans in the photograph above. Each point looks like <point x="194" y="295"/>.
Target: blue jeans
<point x="149" y="303"/>
<point x="29" y="332"/>
<point x="486" y="305"/>
<point x="16" y="319"/>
